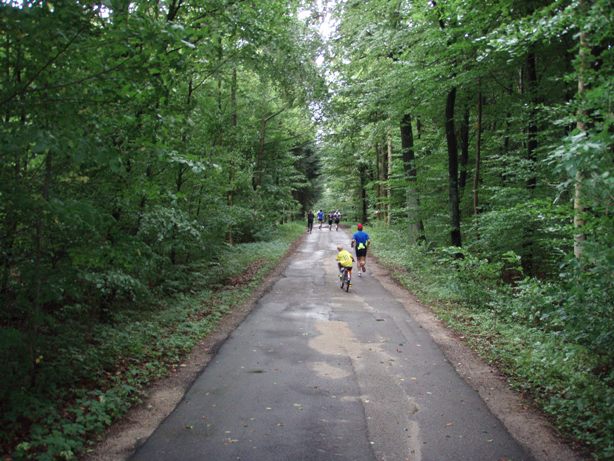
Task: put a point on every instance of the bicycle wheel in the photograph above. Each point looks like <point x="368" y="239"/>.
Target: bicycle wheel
<point x="347" y="278"/>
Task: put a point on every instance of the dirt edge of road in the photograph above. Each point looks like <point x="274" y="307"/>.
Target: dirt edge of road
<point x="123" y="437"/>
<point x="527" y="425"/>
<point x="523" y="421"/>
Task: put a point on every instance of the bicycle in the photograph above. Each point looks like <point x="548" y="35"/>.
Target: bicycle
<point x="346" y="278"/>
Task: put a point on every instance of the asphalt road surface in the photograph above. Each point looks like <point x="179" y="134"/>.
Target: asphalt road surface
<point x="315" y="373"/>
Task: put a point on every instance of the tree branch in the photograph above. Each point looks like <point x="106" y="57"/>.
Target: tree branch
<point x="44" y="67"/>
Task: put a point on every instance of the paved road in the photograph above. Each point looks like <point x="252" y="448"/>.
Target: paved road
<point x="315" y="373"/>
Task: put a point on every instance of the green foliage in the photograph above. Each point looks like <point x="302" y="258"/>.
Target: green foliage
<point x="549" y="227"/>
<point x="139" y="143"/>
<point x="532" y="284"/>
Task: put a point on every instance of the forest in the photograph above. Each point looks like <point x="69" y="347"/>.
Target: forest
<point x="155" y="152"/>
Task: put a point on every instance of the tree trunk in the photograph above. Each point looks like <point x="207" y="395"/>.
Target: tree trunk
<point x="11" y="219"/>
<point x="378" y="184"/>
<point x="387" y="179"/>
<point x="530" y="87"/>
<point x="464" y="156"/>
<point x="233" y="99"/>
<point x="532" y="128"/>
<point x="220" y="58"/>
<point x="455" y="232"/>
<point x="578" y="220"/>
<point x="362" y="170"/>
<point x="231" y="166"/>
<point x="416" y="228"/>
<point x="478" y="153"/>
<point x="35" y="313"/>
<point x="259" y="167"/>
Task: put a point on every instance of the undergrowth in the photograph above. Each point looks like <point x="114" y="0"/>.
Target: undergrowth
<point x="553" y="347"/>
<point x="94" y="372"/>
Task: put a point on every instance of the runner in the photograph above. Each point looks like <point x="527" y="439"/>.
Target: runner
<point x="320" y="218"/>
<point x="310" y="221"/>
<point x="330" y="221"/>
<point x="337" y="217"/>
<point x="361" y="241"/>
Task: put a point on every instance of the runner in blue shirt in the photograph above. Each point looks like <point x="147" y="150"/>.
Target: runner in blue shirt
<point x="320" y="218"/>
<point x="361" y="241"/>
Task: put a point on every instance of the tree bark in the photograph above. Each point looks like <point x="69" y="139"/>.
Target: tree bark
<point x="416" y="227"/>
<point x="35" y="314"/>
<point x="455" y="232"/>
<point x="478" y="153"/>
<point x="362" y="170"/>
<point x="11" y="219"/>
<point x="378" y="185"/>
<point x="231" y="166"/>
<point x="464" y="156"/>
<point x="578" y="206"/>
<point x="453" y="196"/>
<point x="388" y="173"/>
<point x="532" y="127"/>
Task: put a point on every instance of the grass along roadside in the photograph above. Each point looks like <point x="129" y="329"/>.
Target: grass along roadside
<point x="510" y="329"/>
<point x="140" y="345"/>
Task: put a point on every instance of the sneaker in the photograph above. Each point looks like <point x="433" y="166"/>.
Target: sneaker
<point x="364" y="269"/>
<point x="359" y="273"/>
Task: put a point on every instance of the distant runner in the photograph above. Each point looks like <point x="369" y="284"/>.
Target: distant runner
<point x="310" y="221"/>
<point x="320" y="218"/>
<point x="330" y="221"/>
<point x="361" y="241"/>
<point x="337" y="217"/>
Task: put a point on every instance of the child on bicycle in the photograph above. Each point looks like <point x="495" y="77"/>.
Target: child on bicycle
<point x="344" y="260"/>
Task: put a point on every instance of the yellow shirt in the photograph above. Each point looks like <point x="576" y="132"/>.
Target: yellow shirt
<point x="345" y="258"/>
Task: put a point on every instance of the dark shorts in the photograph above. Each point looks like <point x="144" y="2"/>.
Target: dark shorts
<point x="361" y="252"/>
<point x="336" y="221"/>
<point x="330" y="221"/>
